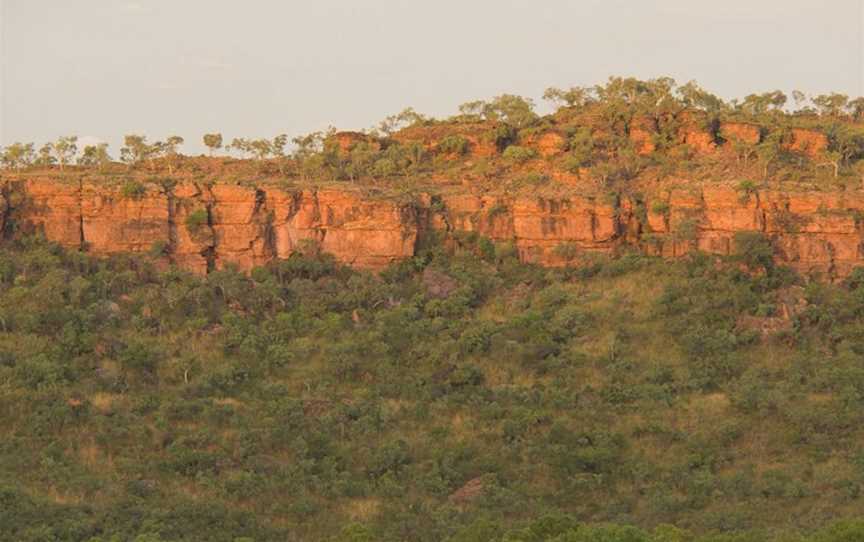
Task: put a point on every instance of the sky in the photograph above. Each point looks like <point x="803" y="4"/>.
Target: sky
<point x="100" y="69"/>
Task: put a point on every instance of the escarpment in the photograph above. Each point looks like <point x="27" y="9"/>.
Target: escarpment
<point x="206" y="227"/>
<point x="203" y="227"/>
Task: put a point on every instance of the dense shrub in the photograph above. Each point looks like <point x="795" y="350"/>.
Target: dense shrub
<point x="324" y="402"/>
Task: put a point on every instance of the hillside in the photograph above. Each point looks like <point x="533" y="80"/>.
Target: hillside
<point x="632" y="165"/>
<point x="636" y="319"/>
<point x="449" y="395"/>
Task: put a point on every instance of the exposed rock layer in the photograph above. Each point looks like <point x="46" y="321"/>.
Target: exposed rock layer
<point x="204" y="228"/>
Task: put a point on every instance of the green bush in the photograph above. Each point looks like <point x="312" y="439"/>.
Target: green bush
<point x="132" y="189"/>
<point x="519" y="155"/>
<point x="454" y="144"/>
<point x="754" y="249"/>
<point x="196" y="220"/>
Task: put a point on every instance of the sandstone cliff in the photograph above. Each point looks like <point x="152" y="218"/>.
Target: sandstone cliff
<point x="206" y="227"/>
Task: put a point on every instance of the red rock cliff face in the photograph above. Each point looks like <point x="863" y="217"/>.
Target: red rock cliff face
<point x="812" y="231"/>
<point x="545" y="231"/>
<point x="204" y="228"/>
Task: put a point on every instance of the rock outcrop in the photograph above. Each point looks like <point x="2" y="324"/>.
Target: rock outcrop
<point x="741" y="131"/>
<point x="209" y="227"/>
<point x="202" y="228"/>
<point x="810" y="142"/>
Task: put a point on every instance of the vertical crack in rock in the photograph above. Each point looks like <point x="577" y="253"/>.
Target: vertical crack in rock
<point x="264" y="216"/>
<point x="209" y="252"/>
<point x="319" y="228"/>
<point x="171" y="200"/>
<point x="82" y="242"/>
<point x="5" y="210"/>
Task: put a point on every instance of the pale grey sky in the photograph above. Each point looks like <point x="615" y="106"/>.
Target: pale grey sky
<point x="257" y="68"/>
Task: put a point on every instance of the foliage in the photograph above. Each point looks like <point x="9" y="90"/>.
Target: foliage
<point x="132" y="189"/>
<point x="519" y="154"/>
<point x="196" y="220"/>
<point x="454" y="144"/>
<point x="213" y="141"/>
<point x="310" y="401"/>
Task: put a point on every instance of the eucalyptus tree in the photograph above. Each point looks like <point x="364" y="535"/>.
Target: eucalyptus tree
<point x="136" y="149"/>
<point x="241" y="145"/>
<point x="168" y="150"/>
<point x="759" y="104"/>
<point x="95" y="156"/>
<point x="277" y="148"/>
<point x="574" y="97"/>
<point x="45" y="156"/>
<point x="18" y="155"/>
<point x="406" y="117"/>
<point x="65" y="149"/>
<point x="213" y="142"/>
<point x="307" y="153"/>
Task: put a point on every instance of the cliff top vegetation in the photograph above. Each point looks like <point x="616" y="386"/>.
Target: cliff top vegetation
<point x="624" y="134"/>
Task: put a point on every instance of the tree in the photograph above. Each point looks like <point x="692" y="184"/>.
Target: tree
<point x="694" y="96"/>
<point x="581" y="149"/>
<point x="856" y="108"/>
<point x="833" y="159"/>
<point x="277" y="148"/>
<point x="472" y="110"/>
<point x="406" y="117"/>
<point x="831" y="105"/>
<point x="260" y="148"/>
<point x="135" y="149"/>
<point x="308" y="152"/>
<point x="17" y="155"/>
<point x="636" y="95"/>
<point x="572" y="97"/>
<point x="846" y="144"/>
<point x="168" y="149"/>
<point x="65" y="148"/>
<point x="508" y="108"/>
<point x="242" y="145"/>
<point x="759" y="104"/>
<point x="799" y="98"/>
<point x="743" y="149"/>
<point x="213" y="142"/>
<point x="514" y="110"/>
<point x="754" y="250"/>
<point x="768" y="151"/>
<point x="95" y="155"/>
<point x="46" y="156"/>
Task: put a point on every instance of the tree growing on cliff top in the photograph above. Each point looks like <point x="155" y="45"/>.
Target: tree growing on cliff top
<point x="65" y="149"/>
<point x="45" y="157"/>
<point x="508" y="108"/>
<point x="572" y="97"/>
<point x="213" y="142"/>
<point x="856" y="108"/>
<point x="831" y="105"/>
<point x="692" y="95"/>
<point x="95" y="155"/>
<point x="308" y="153"/>
<point x="277" y="147"/>
<point x="135" y="149"/>
<point x="18" y="155"/>
<point x="406" y="117"/>
<point x="168" y="150"/>
<point x="759" y="104"/>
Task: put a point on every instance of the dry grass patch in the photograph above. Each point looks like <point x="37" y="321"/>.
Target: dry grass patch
<point x="362" y="509"/>
<point x="104" y="403"/>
